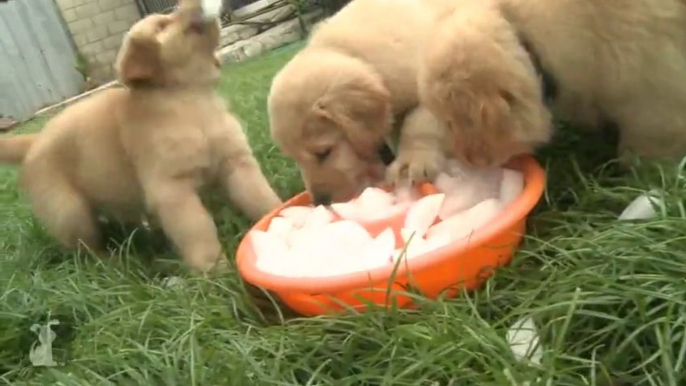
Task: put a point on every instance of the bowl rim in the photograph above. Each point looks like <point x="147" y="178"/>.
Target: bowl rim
<point x="534" y="186"/>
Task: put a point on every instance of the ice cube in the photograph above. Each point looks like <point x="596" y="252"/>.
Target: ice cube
<point x="415" y="245"/>
<point x="408" y="234"/>
<point x="423" y="213"/>
<point x="464" y="223"/>
<point x="643" y="207"/>
<point x="477" y="185"/>
<point x="320" y="216"/>
<point x="296" y="236"/>
<point x="346" y="234"/>
<point x="437" y="240"/>
<point x="348" y="210"/>
<point x="280" y="226"/>
<point x="446" y="184"/>
<point x="405" y="193"/>
<point x="379" y="252"/>
<point x="375" y="199"/>
<point x="385" y="213"/>
<point x="297" y="214"/>
<point x="331" y="249"/>
<point x="272" y="252"/>
<point x="511" y="186"/>
<point x="376" y="203"/>
<point x="455" y="169"/>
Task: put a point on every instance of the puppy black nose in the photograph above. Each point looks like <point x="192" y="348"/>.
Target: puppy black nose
<point x="321" y="199"/>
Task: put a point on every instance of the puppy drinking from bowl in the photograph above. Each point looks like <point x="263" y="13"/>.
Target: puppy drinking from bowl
<point x="146" y="149"/>
<point x="334" y="106"/>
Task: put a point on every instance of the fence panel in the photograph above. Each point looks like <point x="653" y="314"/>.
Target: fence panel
<point x="156" y="6"/>
<point x="37" y="58"/>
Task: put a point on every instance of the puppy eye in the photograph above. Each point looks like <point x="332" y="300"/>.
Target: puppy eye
<point x="323" y="155"/>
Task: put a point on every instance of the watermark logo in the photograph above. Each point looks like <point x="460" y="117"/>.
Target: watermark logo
<point x="41" y="351"/>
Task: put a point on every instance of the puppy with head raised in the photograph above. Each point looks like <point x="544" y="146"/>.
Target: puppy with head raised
<point x="496" y="69"/>
<point x="146" y="149"/>
<point x="334" y="105"/>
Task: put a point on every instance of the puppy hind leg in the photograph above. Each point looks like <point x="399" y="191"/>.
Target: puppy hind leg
<point x="65" y="213"/>
<point x="652" y="127"/>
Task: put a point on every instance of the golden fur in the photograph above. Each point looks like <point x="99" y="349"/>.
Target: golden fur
<point x="146" y="149"/>
<point x="618" y="61"/>
<point x="454" y="77"/>
<point x="335" y="102"/>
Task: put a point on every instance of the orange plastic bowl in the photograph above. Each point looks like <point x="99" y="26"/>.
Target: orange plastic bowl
<point x="459" y="265"/>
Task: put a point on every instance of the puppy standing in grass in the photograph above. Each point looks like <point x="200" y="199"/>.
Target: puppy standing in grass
<point x="147" y="148"/>
<point x="487" y="70"/>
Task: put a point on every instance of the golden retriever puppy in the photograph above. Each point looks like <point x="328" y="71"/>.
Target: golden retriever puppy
<point x="146" y="149"/>
<point x="334" y="106"/>
<point x="494" y="71"/>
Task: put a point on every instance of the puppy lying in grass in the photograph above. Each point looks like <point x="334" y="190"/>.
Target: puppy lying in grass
<point x="494" y="71"/>
<point x="146" y="149"/>
<point x="334" y="105"/>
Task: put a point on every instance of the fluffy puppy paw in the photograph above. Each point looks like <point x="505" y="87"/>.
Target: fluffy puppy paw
<point x="415" y="167"/>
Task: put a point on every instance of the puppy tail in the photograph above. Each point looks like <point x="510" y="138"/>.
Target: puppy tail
<point x="13" y="149"/>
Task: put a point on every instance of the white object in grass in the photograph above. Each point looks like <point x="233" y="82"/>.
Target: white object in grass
<point x="643" y="207"/>
<point x="524" y="342"/>
<point x="211" y="9"/>
<point x="173" y="282"/>
<point x="41" y="351"/>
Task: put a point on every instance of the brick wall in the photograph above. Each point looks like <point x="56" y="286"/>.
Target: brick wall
<point x="98" y="27"/>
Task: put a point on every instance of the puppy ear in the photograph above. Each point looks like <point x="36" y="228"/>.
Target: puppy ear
<point x="138" y="60"/>
<point x="362" y="110"/>
<point x="476" y="76"/>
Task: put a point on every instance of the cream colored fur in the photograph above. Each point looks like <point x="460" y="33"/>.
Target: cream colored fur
<point x="335" y="102"/>
<point x="457" y="70"/>
<point x="146" y="149"/>
<point x="620" y="61"/>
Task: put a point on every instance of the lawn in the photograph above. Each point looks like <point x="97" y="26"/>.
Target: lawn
<point x="609" y="297"/>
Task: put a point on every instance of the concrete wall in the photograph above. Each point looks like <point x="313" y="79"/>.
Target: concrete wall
<point x="97" y="27"/>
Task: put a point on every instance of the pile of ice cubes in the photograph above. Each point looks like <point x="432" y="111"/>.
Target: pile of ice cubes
<point x="320" y="241"/>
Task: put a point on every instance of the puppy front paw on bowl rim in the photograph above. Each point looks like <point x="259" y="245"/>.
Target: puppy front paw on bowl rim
<point x="463" y="263"/>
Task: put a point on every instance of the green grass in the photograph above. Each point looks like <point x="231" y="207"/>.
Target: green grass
<point x="609" y="297"/>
